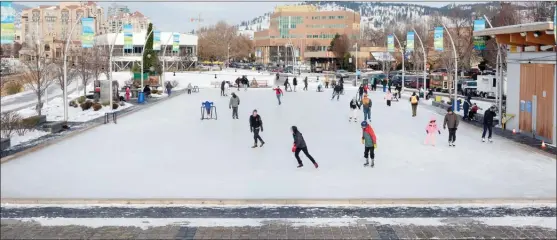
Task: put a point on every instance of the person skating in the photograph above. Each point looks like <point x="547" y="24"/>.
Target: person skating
<point x="414" y="103"/>
<point x="295" y="83"/>
<point x="226" y="88"/>
<point x="430" y="130"/>
<point x="366" y="105"/>
<point x="451" y="121"/>
<point x="326" y="82"/>
<point x="353" y="111"/>
<point x="341" y="84"/>
<point x="360" y="92"/>
<point x="489" y="114"/>
<point x="238" y="82"/>
<point x="370" y="143"/>
<point x="233" y="104"/>
<point x="300" y="146"/>
<point x="168" y="88"/>
<point x="336" y="92"/>
<point x="189" y="87"/>
<point x="255" y="123"/>
<point x="306" y="83"/>
<point x="466" y="106"/>
<point x="366" y="88"/>
<point x="473" y="111"/>
<point x="222" y="88"/>
<point x="389" y="97"/>
<point x="286" y="84"/>
<point x="279" y="93"/>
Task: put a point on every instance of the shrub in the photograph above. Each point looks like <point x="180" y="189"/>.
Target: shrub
<point x="97" y="106"/>
<point x="31" y="122"/>
<point x="174" y="83"/>
<point x="9" y="121"/>
<point x="73" y="103"/>
<point x="115" y="105"/>
<point x="86" y="105"/>
<point x="81" y="99"/>
<point x="154" y="91"/>
<point x="105" y="103"/>
<point x="13" y="87"/>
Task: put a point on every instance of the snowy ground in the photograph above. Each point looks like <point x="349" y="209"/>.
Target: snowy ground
<point x="28" y="136"/>
<point x="166" y="151"/>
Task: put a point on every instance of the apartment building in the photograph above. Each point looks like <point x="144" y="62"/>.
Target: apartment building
<point x="51" y="25"/>
<point x="307" y="31"/>
<point x="138" y="21"/>
<point x="115" y="9"/>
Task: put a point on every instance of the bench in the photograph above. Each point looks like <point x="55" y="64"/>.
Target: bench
<point x="195" y="89"/>
<point x="54" y="127"/>
<point x="259" y="83"/>
<point x="5" y="143"/>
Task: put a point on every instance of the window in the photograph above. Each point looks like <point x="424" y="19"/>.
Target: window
<point x="331" y="17"/>
<point x="309" y="36"/>
<point x="36" y="16"/>
<point x="65" y="16"/>
<point x="323" y="17"/>
<point x="340" y="17"/>
<point x="50" y="18"/>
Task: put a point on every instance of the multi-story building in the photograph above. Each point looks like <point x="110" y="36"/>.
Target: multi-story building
<point x="307" y="31"/>
<point x="138" y="21"/>
<point x="51" y="25"/>
<point x="116" y="9"/>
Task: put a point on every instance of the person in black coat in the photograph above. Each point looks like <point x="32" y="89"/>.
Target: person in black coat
<point x="341" y="84"/>
<point x="286" y="84"/>
<point x="295" y="83"/>
<point x="300" y="146"/>
<point x="255" y="123"/>
<point x="360" y="92"/>
<point x="222" y="88"/>
<point x="489" y="114"/>
<point x="305" y="83"/>
<point x="336" y="92"/>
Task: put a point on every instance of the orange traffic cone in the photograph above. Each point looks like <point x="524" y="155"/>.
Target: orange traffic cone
<point x="543" y="144"/>
<point x="514" y="131"/>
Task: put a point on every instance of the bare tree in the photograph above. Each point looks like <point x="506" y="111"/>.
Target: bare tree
<point x="38" y="76"/>
<point x="83" y="67"/>
<point x="540" y="11"/>
<point x="58" y="66"/>
<point x="215" y="40"/>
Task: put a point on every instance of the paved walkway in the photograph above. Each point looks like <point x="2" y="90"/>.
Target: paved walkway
<point x="14" y="229"/>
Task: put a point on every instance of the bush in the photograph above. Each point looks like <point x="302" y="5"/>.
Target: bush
<point x="174" y="83"/>
<point x="81" y="99"/>
<point x="97" y="106"/>
<point x="115" y="105"/>
<point x="13" y="87"/>
<point x="154" y="91"/>
<point x="31" y="122"/>
<point x="73" y="103"/>
<point x="86" y="105"/>
<point x="9" y="122"/>
<point x="106" y="103"/>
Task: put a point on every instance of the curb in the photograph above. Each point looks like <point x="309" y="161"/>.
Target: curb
<point x="134" y="109"/>
<point x="373" y="201"/>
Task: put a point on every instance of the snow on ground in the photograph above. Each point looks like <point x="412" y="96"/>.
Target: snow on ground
<point x="16" y="139"/>
<point x="144" y="223"/>
<point x="174" y="154"/>
<point x="54" y="111"/>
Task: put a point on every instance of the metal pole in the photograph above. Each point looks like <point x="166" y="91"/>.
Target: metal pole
<point x="110" y="63"/>
<point x="164" y="59"/>
<point x="425" y="58"/>
<point x="403" y="69"/>
<point x="228" y="55"/>
<point x="142" y="52"/>
<point x="357" y="60"/>
<point x="65" y="100"/>
<point x="455" y="68"/>
<point x="499" y="76"/>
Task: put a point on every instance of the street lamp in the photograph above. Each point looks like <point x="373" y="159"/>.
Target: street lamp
<point x="65" y="100"/>
<point x="455" y="68"/>
<point x="425" y="58"/>
<point x="164" y="59"/>
<point x="110" y="63"/>
<point x="403" y="68"/>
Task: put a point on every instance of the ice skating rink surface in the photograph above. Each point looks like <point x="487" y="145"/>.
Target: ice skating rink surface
<point x="166" y="151"/>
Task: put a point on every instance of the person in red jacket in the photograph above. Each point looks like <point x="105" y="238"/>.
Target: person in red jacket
<point x="370" y="143"/>
<point x="366" y="88"/>
<point x="279" y="93"/>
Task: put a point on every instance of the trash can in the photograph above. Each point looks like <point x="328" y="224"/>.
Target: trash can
<point x="421" y="95"/>
<point x="438" y="98"/>
<point x="140" y="97"/>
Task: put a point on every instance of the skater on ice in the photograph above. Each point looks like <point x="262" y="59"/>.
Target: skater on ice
<point x="189" y="87"/>
<point x="286" y="84"/>
<point x="466" y="107"/>
<point x="255" y="123"/>
<point x="222" y="88"/>
<point x="451" y="121"/>
<point x="208" y="110"/>
<point x="320" y="87"/>
<point x="238" y="83"/>
<point x="279" y="93"/>
<point x="370" y="143"/>
<point x="389" y="97"/>
<point x="366" y="105"/>
<point x="226" y="88"/>
<point x="360" y="92"/>
<point x="336" y="92"/>
<point x="489" y="114"/>
<point x="300" y="146"/>
<point x="168" y="88"/>
<point x="431" y="129"/>
<point x="295" y="83"/>
<point x="306" y="83"/>
<point x="233" y="104"/>
<point x="414" y="103"/>
<point x="353" y="111"/>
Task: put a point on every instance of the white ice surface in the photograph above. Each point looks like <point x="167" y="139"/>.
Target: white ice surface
<point x="166" y="151"/>
<point x="545" y="222"/>
<point x="28" y="136"/>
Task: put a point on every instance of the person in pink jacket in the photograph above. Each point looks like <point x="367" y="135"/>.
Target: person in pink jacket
<point x="127" y="94"/>
<point x="389" y="97"/>
<point x="430" y="130"/>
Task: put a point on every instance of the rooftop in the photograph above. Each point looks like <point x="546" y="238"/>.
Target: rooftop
<point x="528" y="34"/>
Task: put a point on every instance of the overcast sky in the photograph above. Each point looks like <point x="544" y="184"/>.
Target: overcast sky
<point x="176" y="16"/>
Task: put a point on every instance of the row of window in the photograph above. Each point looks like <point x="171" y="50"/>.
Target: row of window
<point x="327" y="26"/>
<point x="283" y="36"/>
<point x="326" y="17"/>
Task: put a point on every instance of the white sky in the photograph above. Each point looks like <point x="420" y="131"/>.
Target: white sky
<point x="175" y="16"/>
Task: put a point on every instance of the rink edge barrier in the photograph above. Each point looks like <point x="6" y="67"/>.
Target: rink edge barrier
<point x="38" y="147"/>
<point x="192" y="201"/>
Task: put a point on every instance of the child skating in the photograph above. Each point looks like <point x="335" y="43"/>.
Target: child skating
<point x="370" y="143"/>
<point x="430" y="131"/>
<point x="389" y="97"/>
<point x="353" y="111"/>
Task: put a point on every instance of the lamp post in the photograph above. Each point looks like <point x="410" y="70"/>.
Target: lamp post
<point x="228" y="55"/>
<point x="425" y="58"/>
<point x="164" y="59"/>
<point x="110" y="63"/>
<point x="142" y="52"/>
<point x="66" y="70"/>
<point x="403" y="69"/>
<point x="499" y="77"/>
<point x="455" y="82"/>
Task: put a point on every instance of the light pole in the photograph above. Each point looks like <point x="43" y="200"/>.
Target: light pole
<point x="142" y="52"/>
<point x="425" y="58"/>
<point x="164" y="59"/>
<point x="455" y="82"/>
<point x="110" y="63"/>
<point x="403" y="69"/>
<point x="66" y="69"/>
<point x="228" y="55"/>
<point x="499" y="77"/>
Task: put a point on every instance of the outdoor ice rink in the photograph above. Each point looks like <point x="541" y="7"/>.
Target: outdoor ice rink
<point x="166" y="151"/>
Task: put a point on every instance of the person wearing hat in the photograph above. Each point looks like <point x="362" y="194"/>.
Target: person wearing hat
<point x="370" y="143"/>
<point x="451" y="121"/>
<point x="255" y="123"/>
<point x="489" y="114"/>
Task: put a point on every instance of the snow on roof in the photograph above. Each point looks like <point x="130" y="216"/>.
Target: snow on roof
<point x="383" y="56"/>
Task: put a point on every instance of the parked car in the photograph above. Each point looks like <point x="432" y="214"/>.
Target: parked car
<point x="341" y="74"/>
<point x="469" y="87"/>
<point x="318" y="70"/>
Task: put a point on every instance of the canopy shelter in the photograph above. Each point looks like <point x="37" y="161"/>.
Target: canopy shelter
<point x="522" y="35"/>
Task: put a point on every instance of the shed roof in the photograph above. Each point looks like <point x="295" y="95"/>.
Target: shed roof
<point x="528" y="34"/>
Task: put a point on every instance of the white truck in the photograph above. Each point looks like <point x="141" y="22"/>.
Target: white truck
<point x="487" y="86"/>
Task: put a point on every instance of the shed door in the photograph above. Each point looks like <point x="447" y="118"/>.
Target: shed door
<point x="537" y="80"/>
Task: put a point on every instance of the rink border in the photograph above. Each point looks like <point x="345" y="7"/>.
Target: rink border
<point x="135" y="108"/>
<point x="247" y="202"/>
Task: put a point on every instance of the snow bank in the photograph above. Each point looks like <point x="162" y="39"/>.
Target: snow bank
<point x="28" y="136"/>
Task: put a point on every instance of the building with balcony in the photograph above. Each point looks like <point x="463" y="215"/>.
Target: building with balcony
<point x="115" y="9"/>
<point x="138" y="21"/>
<point x="308" y="31"/>
<point x="124" y="59"/>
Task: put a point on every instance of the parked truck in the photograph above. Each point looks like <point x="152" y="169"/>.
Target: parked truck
<point x="487" y="86"/>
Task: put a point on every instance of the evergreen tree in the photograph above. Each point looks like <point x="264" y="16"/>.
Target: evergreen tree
<point x="153" y="60"/>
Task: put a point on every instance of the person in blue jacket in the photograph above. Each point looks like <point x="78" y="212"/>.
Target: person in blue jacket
<point x="207" y="105"/>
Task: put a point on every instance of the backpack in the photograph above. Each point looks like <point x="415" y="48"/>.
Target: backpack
<point x="414" y="99"/>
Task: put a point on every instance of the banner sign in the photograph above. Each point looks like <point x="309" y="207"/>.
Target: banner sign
<point x="555" y="25"/>
<point x="157" y="40"/>
<point x="128" y="37"/>
<point x="7" y="28"/>
<point x="479" y="42"/>
<point x="88" y="32"/>
<point x="410" y="42"/>
<point x="176" y="42"/>
<point x="438" y="39"/>
<point x="390" y="43"/>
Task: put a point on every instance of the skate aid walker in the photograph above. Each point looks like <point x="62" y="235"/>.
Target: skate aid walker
<point x="207" y="110"/>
